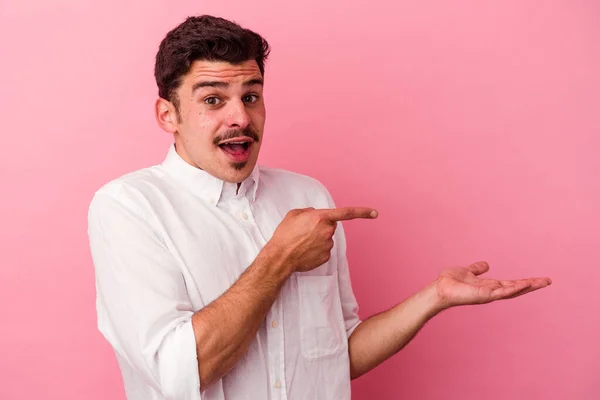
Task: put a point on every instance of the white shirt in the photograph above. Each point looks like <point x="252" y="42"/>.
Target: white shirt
<point x="169" y="239"/>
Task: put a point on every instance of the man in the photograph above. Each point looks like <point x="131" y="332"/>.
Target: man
<point x="220" y="279"/>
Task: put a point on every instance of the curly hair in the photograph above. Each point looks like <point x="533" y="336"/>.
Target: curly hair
<point x="206" y="38"/>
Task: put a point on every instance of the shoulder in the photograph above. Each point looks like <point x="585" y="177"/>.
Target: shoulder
<point x="129" y="190"/>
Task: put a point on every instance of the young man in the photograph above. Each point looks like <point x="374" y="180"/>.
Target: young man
<point x="220" y="279"/>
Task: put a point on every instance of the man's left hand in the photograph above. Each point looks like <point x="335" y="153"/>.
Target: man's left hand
<point x="463" y="286"/>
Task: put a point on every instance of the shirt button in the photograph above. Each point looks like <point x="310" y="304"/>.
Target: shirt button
<point x="274" y="324"/>
<point x="277" y="383"/>
<point x="244" y="216"/>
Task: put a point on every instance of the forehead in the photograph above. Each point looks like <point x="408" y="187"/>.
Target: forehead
<point x="202" y="70"/>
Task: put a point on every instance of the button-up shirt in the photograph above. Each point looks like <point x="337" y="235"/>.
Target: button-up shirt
<point x="169" y="239"/>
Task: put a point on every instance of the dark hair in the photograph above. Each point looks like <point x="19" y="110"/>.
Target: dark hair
<point x="204" y="38"/>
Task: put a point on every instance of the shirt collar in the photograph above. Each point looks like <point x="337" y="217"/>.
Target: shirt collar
<point x="205" y="185"/>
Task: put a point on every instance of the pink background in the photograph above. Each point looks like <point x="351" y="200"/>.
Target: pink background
<point x="473" y="126"/>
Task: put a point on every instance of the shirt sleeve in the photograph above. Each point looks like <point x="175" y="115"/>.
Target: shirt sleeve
<point x="143" y="308"/>
<point x="348" y="300"/>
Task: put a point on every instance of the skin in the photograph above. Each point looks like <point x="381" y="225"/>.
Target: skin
<point x="232" y="106"/>
<point x="209" y="114"/>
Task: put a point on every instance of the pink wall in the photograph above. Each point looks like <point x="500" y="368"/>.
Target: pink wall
<point x="472" y="126"/>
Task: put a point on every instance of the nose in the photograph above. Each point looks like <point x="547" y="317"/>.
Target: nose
<point x="238" y="115"/>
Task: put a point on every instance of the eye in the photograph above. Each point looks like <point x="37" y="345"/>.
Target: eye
<point x="250" y="98"/>
<point x="212" y="101"/>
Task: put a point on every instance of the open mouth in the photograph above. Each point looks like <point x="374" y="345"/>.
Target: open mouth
<point x="237" y="151"/>
<point x="235" y="148"/>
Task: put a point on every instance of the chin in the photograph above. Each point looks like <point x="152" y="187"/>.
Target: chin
<point x="238" y="172"/>
<point x="240" y="166"/>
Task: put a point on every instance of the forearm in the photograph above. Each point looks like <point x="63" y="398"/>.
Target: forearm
<point x="225" y="328"/>
<point x="383" y="335"/>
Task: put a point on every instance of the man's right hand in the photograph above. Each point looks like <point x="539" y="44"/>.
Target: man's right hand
<point x="305" y="236"/>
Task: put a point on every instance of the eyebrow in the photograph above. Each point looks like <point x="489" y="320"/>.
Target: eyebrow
<point x="219" y="84"/>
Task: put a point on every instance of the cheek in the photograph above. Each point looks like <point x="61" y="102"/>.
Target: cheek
<point x="201" y="123"/>
<point x="207" y="128"/>
<point x="258" y="117"/>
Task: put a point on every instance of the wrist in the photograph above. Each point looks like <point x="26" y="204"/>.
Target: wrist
<point x="432" y="302"/>
<point x="277" y="259"/>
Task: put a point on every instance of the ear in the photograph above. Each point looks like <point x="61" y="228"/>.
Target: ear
<point x="166" y="115"/>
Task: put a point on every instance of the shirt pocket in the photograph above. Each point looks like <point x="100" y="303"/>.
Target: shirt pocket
<point x="321" y="321"/>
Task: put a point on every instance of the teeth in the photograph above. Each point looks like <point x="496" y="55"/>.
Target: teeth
<point x="244" y="142"/>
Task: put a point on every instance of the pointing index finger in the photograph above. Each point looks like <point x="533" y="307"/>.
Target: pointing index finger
<point x="348" y="213"/>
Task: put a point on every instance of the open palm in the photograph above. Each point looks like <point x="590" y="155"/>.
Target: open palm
<point x="462" y="286"/>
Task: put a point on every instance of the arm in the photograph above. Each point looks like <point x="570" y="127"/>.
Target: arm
<point x="225" y="328"/>
<point x="383" y="335"/>
<point x="144" y="310"/>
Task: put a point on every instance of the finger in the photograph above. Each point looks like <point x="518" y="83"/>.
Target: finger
<point x="298" y="211"/>
<point x="543" y="281"/>
<point x="537" y="282"/>
<point x="540" y="283"/>
<point x="478" y="268"/>
<point x="348" y="213"/>
<point x="507" y="291"/>
<point x="488" y="283"/>
<point x="522" y="292"/>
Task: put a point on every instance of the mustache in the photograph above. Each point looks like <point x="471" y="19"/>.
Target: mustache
<point x="235" y="133"/>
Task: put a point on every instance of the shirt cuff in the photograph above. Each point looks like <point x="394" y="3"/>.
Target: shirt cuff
<point x="352" y="328"/>
<point x="179" y="375"/>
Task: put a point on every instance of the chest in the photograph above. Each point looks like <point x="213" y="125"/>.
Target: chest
<point x="214" y="245"/>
